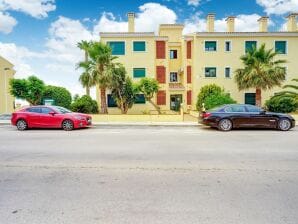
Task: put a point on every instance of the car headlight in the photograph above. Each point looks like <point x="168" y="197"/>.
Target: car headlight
<point x="79" y="117"/>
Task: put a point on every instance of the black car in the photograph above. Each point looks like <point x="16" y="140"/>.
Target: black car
<point x="227" y="117"/>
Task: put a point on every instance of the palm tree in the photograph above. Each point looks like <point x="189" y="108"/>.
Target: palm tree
<point x="293" y="92"/>
<point x="260" y="71"/>
<point x="100" y="67"/>
<point x="85" y="78"/>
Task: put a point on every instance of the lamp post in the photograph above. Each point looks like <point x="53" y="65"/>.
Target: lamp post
<point x="5" y="88"/>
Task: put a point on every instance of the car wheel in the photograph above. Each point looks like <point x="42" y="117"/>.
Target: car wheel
<point x="22" y="125"/>
<point x="67" y="125"/>
<point x="284" y="124"/>
<point x="225" y="125"/>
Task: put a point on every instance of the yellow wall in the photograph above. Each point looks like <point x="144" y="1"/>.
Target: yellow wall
<point x="6" y="100"/>
<point x="220" y="59"/>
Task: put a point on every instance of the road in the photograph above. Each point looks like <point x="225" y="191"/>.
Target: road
<point x="148" y="175"/>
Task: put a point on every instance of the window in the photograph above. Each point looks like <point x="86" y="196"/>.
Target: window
<point x="173" y="77"/>
<point x="228" y="46"/>
<point x="210" y="45"/>
<point x="173" y="54"/>
<point x="250" y="98"/>
<point x="139" y="72"/>
<point x="111" y="101"/>
<point x="139" y="46"/>
<point x="281" y="47"/>
<point x="161" y="97"/>
<point x="160" y="49"/>
<point x="235" y="109"/>
<point x="249" y="45"/>
<point x="118" y="47"/>
<point x="46" y="110"/>
<point x="210" y="72"/>
<point x="161" y="74"/>
<point x="253" y="109"/>
<point x="140" y="99"/>
<point x="34" y="110"/>
<point x="228" y="72"/>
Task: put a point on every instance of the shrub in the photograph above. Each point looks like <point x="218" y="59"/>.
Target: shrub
<point x="212" y="96"/>
<point x="282" y="104"/>
<point x="85" y="104"/>
<point x="60" y="95"/>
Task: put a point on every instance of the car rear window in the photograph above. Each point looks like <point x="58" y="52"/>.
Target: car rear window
<point x="235" y="109"/>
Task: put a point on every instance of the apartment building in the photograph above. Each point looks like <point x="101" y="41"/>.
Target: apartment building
<point x="182" y="64"/>
<point x="6" y="73"/>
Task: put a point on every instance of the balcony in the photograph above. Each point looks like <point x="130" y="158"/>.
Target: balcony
<point x="175" y="86"/>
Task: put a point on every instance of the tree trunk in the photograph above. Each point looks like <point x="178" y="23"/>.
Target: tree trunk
<point x="258" y="97"/>
<point x="155" y="106"/>
<point x="88" y="91"/>
<point x="103" y="103"/>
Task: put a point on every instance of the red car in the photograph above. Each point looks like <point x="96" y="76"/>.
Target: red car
<point x="49" y="117"/>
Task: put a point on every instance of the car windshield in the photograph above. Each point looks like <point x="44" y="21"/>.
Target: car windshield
<point x="62" y="110"/>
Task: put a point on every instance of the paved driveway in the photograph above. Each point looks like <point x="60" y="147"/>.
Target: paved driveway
<point x="148" y="175"/>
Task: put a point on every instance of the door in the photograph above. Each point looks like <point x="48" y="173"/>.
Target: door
<point x="48" y="120"/>
<point x="175" y="102"/>
<point x="250" y="98"/>
<point x="259" y="118"/>
<point x="238" y="115"/>
<point x="33" y="116"/>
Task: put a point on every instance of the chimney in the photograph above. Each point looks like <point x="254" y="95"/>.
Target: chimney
<point x="263" y="24"/>
<point x="231" y="24"/>
<point x="131" y="22"/>
<point x="292" y="23"/>
<point x="210" y="22"/>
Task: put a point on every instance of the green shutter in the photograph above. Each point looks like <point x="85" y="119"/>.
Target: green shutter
<point x="280" y="47"/>
<point x="210" y="46"/>
<point x="210" y="72"/>
<point x="250" y="98"/>
<point x="140" y="99"/>
<point x="249" y="45"/>
<point x="118" y="48"/>
<point x="139" y="72"/>
<point x="111" y="101"/>
<point x="139" y="46"/>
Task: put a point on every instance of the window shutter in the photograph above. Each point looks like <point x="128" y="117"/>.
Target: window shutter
<point x="139" y="72"/>
<point x="161" y="74"/>
<point x="188" y="51"/>
<point x="188" y="74"/>
<point x="161" y="97"/>
<point x="160" y="49"/>
<point x="139" y="46"/>
<point x="189" y="97"/>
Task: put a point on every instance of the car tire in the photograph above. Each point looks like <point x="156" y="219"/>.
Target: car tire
<point x="284" y="124"/>
<point x="225" y="125"/>
<point x="21" y="125"/>
<point x="67" y="125"/>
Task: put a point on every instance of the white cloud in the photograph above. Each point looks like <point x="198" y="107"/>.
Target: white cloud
<point x="34" y="8"/>
<point x="278" y="7"/>
<point x="193" y="2"/>
<point x="243" y="23"/>
<point x="7" y="23"/>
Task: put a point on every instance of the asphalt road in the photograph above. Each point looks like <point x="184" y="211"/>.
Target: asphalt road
<point x="148" y="175"/>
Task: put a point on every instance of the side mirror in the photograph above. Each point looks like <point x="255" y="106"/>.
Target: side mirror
<point x="52" y="113"/>
<point x="263" y="112"/>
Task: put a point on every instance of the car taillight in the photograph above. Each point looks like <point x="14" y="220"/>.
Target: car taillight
<point x="205" y="115"/>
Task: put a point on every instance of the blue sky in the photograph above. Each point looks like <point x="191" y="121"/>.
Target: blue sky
<point x="40" y="36"/>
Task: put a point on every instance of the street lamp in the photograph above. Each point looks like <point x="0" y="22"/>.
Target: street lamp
<point x="5" y="88"/>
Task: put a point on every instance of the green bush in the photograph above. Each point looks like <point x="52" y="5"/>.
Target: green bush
<point x="60" y="95"/>
<point x="212" y="96"/>
<point x="85" y="104"/>
<point x="282" y="104"/>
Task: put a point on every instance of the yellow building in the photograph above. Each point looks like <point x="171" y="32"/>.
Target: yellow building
<point x="6" y="73"/>
<point x="184" y="63"/>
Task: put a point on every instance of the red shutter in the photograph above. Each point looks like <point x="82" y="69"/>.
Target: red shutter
<point x="160" y="49"/>
<point x="189" y="97"/>
<point x="188" y="51"/>
<point x="188" y="74"/>
<point x="161" y="97"/>
<point x="161" y="74"/>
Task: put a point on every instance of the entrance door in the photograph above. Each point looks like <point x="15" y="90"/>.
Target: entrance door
<point x="250" y="98"/>
<point x="175" y="102"/>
